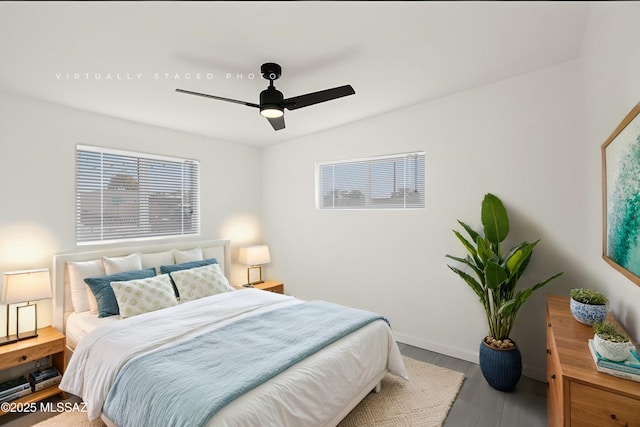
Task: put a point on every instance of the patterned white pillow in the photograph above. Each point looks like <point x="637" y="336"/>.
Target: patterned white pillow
<point x="200" y="282"/>
<point x="144" y="295"/>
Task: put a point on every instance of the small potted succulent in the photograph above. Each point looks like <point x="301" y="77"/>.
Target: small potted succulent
<point x="611" y="343"/>
<point x="588" y="306"/>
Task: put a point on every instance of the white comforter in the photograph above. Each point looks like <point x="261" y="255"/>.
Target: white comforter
<point x="310" y="393"/>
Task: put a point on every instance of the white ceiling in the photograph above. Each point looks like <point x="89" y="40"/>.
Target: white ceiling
<point x="394" y="54"/>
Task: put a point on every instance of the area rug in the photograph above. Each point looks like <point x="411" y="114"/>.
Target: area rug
<point x="423" y="401"/>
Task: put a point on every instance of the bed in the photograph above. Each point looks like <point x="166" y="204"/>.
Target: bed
<point x="307" y="379"/>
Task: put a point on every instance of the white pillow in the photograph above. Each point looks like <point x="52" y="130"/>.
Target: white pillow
<point x="200" y="282"/>
<point x="157" y="259"/>
<point x="81" y="296"/>
<point x="144" y="295"/>
<point x="189" y="255"/>
<point x="122" y="264"/>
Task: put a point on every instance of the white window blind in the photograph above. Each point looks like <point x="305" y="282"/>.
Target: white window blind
<point x="386" y="182"/>
<point x="124" y="195"/>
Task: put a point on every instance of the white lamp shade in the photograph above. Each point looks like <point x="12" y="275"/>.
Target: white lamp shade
<point x="26" y="285"/>
<point x="254" y="255"/>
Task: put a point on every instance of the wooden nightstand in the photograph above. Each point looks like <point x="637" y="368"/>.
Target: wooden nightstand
<point x="271" y="286"/>
<point x="49" y="342"/>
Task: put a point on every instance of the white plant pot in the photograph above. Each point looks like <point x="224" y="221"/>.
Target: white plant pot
<point x="615" y="351"/>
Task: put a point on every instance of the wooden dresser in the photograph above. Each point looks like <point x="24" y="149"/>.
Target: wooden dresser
<point x="578" y="394"/>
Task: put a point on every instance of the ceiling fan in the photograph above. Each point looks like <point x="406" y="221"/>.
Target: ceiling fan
<point x="272" y="102"/>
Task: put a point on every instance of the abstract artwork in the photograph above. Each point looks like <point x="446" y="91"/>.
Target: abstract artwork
<point x="621" y="197"/>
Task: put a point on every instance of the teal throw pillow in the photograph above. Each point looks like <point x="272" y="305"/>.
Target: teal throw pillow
<point x="164" y="269"/>
<point x="101" y="288"/>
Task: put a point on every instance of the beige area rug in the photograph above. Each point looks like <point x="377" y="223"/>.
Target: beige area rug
<point x="71" y="419"/>
<point x="423" y="401"/>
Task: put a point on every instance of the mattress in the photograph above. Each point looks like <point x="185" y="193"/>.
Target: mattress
<point x="79" y="325"/>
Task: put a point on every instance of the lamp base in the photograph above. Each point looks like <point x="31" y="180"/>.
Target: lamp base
<point x="252" y="284"/>
<point x="27" y="335"/>
<point x="8" y="340"/>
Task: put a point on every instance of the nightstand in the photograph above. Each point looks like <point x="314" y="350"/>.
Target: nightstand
<point x="49" y="342"/>
<point x="271" y="286"/>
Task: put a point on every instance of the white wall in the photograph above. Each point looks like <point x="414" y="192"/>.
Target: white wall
<point x="533" y="140"/>
<point x="518" y="138"/>
<point x="37" y="194"/>
<point x="611" y="76"/>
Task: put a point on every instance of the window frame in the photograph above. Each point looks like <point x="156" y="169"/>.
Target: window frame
<point x="142" y="200"/>
<point x="370" y="160"/>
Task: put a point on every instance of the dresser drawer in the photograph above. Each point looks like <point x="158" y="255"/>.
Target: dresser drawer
<point x="271" y="286"/>
<point x="592" y="407"/>
<point x="278" y="289"/>
<point x="31" y="353"/>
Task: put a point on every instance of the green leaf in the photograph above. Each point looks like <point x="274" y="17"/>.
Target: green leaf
<point x="462" y="260"/>
<point x="494" y="274"/>
<point x="541" y="284"/>
<point x="484" y="251"/>
<point x="511" y="307"/>
<point x="513" y="250"/>
<point x="520" y="258"/>
<point x="494" y="220"/>
<point x="472" y="233"/>
<point x="468" y="261"/>
<point x="508" y="308"/>
<point x="473" y="283"/>
<point x="468" y="246"/>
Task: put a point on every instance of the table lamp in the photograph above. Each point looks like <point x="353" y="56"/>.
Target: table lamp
<point x="25" y="286"/>
<point x="254" y="257"/>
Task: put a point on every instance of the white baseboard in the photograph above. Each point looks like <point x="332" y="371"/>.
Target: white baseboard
<point x="533" y="372"/>
<point x="458" y="353"/>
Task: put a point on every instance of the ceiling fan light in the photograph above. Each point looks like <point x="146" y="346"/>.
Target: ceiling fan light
<point x="271" y="112"/>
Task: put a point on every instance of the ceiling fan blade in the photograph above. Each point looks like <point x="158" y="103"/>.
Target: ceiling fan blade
<point x="277" y="123"/>
<point x="317" y="97"/>
<point x="248" y="104"/>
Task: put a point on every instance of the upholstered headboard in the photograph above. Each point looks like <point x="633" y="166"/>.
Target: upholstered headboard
<point x="62" y="305"/>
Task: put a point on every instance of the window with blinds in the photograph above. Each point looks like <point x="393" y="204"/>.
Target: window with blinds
<point x="386" y="182"/>
<point x="123" y="195"/>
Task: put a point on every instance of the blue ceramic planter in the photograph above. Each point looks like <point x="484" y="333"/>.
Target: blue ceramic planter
<point x="587" y="313"/>
<point x="501" y="368"/>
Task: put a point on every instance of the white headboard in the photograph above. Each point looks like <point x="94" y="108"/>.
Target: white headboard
<point x="62" y="306"/>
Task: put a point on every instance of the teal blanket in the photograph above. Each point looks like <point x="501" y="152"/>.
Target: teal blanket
<point x="186" y="385"/>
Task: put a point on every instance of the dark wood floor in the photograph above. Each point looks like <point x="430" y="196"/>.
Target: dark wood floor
<point x="479" y="405"/>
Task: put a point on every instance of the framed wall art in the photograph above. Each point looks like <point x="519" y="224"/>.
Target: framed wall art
<point x="621" y="197"/>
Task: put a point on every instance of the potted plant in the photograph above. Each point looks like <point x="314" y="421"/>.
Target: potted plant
<point x="588" y="306"/>
<point x="493" y="276"/>
<point x="611" y="343"/>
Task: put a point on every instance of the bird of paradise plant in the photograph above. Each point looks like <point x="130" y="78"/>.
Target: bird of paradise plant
<point x="496" y="272"/>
